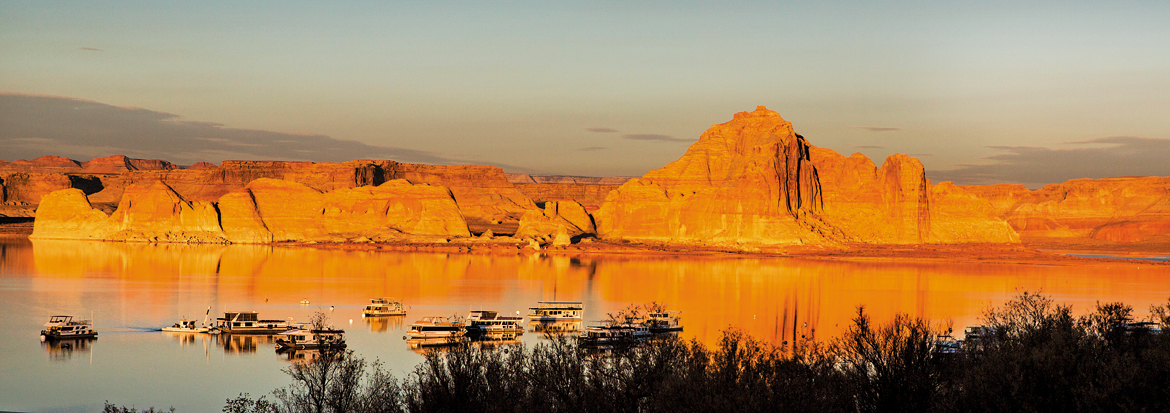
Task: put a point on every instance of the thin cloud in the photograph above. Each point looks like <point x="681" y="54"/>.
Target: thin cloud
<point x="592" y="148"/>
<point x="602" y="130"/>
<point x="91" y="49"/>
<point x="876" y="128"/>
<point x="869" y="147"/>
<point x="653" y="137"/>
<point x="1037" y="166"/>
<point x="32" y="126"/>
<point x="920" y="155"/>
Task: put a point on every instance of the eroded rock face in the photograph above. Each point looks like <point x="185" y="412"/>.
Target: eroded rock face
<point x="265" y="210"/>
<point x="115" y="164"/>
<point x="590" y="192"/>
<point x="895" y="204"/>
<point x="1123" y="210"/>
<point x="561" y="220"/>
<point x="755" y="181"/>
<point x="745" y="181"/>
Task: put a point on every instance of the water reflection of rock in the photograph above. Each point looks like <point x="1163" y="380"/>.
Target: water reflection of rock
<point x="384" y="323"/>
<point x="63" y="349"/>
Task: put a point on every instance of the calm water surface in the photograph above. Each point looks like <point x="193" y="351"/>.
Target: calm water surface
<point x="131" y="290"/>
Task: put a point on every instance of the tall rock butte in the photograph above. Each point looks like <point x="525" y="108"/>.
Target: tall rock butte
<point x="754" y="180"/>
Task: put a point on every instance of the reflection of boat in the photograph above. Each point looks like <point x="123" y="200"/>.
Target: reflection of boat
<point x="436" y="327"/>
<point x="663" y="321"/>
<point x="422" y="343"/>
<point x="555" y="327"/>
<point x="62" y="349"/>
<point x="250" y="323"/>
<point x="311" y="338"/>
<point x="614" y="335"/>
<point x="380" y="307"/>
<point x="300" y="356"/>
<point x="556" y="311"/>
<point x="63" y="326"/>
<point x="489" y="322"/>
<point x="188" y="326"/>
<point x="383" y="324"/>
<point x="243" y="343"/>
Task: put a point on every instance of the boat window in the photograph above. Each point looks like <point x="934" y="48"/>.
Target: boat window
<point x="248" y="324"/>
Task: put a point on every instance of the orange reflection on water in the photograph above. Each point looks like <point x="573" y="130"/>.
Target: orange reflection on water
<point x="773" y="299"/>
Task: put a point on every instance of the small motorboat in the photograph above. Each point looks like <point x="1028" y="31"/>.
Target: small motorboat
<point x="304" y="301"/>
<point x="188" y="326"/>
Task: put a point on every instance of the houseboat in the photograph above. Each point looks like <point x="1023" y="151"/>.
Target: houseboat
<point x="310" y="338"/>
<point x="556" y="311"/>
<point x="614" y="335"/>
<point x="437" y="327"/>
<point x="64" y="327"/>
<point x="481" y="322"/>
<point x="250" y="323"/>
<point x="663" y="321"/>
<point x="382" y="307"/>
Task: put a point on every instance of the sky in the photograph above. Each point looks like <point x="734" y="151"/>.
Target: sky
<point x="980" y="92"/>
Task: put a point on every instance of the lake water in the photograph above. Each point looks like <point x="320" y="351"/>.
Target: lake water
<point x="131" y="290"/>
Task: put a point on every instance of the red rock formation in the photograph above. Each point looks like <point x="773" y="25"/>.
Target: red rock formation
<point x="265" y="210"/>
<point x="28" y="188"/>
<point x="895" y="204"/>
<point x="558" y="222"/>
<point x="1123" y="210"/>
<point x="44" y="164"/>
<point x="755" y="181"/>
<point x="747" y="181"/>
<point x="120" y="163"/>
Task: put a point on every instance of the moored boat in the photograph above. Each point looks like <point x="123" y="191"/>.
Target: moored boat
<point x="614" y="335"/>
<point x="556" y="311"/>
<point x="382" y="307"/>
<point x="481" y="322"/>
<point x="250" y="323"/>
<point x="188" y="326"/>
<point x="65" y="327"/>
<point x="311" y="338"/>
<point x="663" y="321"/>
<point x="437" y="327"/>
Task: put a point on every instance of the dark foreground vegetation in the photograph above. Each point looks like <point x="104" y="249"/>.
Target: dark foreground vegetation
<point x="1035" y="357"/>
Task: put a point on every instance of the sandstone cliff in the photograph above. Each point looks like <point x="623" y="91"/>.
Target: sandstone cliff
<point x="895" y="204"/>
<point x="589" y="191"/>
<point x="265" y="210"/>
<point x="753" y="180"/>
<point x="1123" y="210"/>
<point x="747" y="181"/>
<point x="558" y="222"/>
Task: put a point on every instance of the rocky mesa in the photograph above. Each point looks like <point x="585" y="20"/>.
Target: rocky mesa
<point x="755" y="181"/>
<point x="266" y="210"/>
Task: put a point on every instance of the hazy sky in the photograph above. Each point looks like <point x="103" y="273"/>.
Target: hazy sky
<point x="1045" y="92"/>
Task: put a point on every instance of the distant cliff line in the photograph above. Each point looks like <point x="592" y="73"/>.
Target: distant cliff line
<point x="748" y="182"/>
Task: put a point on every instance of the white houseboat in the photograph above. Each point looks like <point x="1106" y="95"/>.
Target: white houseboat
<point x="556" y="311"/>
<point x="663" y="321"/>
<point x="437" y="327"/>
<point x="63" y="327"/>
<point x="483" y="322"/>
<point x="614" y="335"/>
<point x="381" y="307"/>
<point x="310" y="338"/>
<point x="250" y="323"/>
